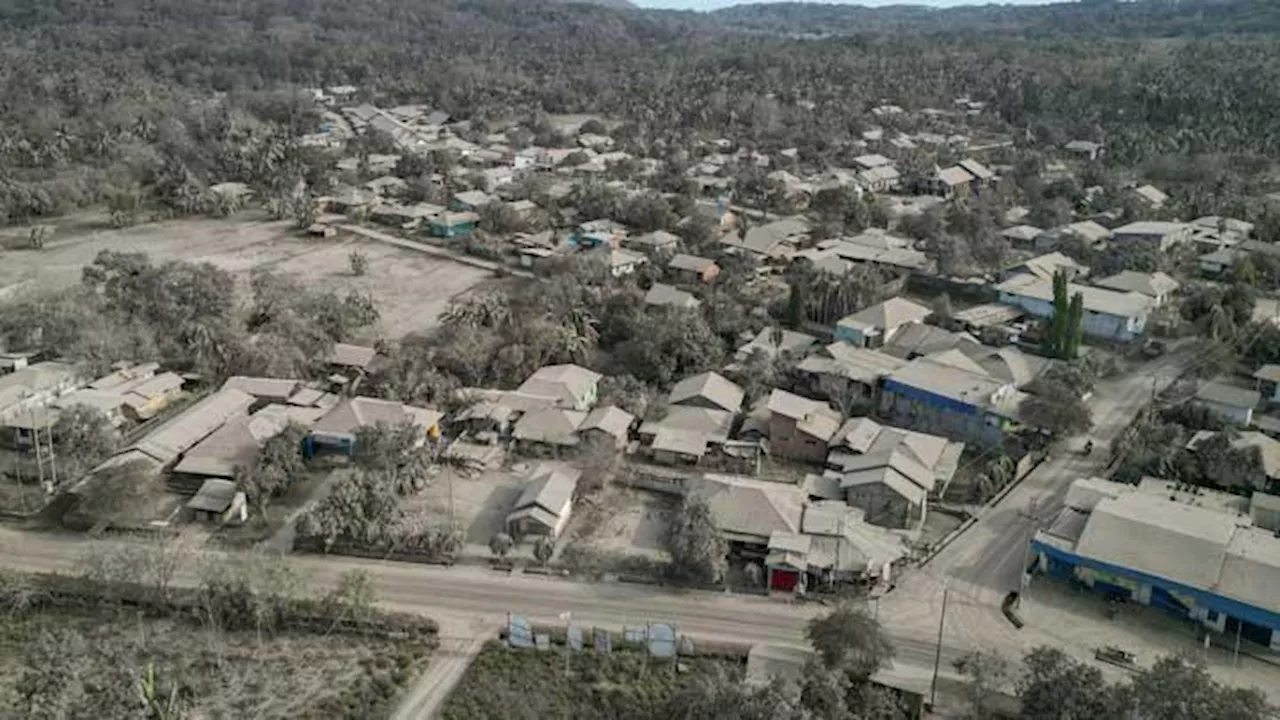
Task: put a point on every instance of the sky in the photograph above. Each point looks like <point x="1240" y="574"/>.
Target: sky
<point x="716" y="4"/>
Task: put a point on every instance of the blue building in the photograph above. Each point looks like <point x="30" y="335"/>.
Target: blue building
<point x="1194" y="554"/>
<point x="1109" y="315"/>
<point x="453" y="224"/>
<point x="935" y="397"/>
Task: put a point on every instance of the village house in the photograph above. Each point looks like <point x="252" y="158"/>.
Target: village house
<point x="1155" y="234"/>
<point x="547" y="431"/>
<point x="747" y="512"/>
<point x="1233" y="404"/>
<point x="235" y="444"/>
<point x="654" y="242"/>
<point x="663" y="295"/>
<point x="607" y="426"/>
<point x="453" y="224"/>
<point x="800" y="428"/>
<point x="470" y="201"/>
<point x="218" y="501"/>
<point x="1109" y="315"/>
<point x="1084" y="149"/>
<point x="1045" y="267"/>
<point x="336" y="431"/>
<point x="887" y="472"/>
<point x="624" y="262"/>
<point x="1085" y="231"/>
<point x="1268" y="377"/>
<point x="852" y="371"/>
<point x="941" y="399"/>
<point x="835" y="545"/>
<point x="877" y="324"/>
<point x="776" y="343"/>
<point x="691" y="268"/>
<point x="1157" y="286"/>
<point x="1150" y="196"/>
<point x="699" y="418"/>
<point x="1022" y="237"/>
<point x="572" y="386"/>
<point x="778" y="239"/>
<point x="169" y="441"/>
<point x="544" y="507"/>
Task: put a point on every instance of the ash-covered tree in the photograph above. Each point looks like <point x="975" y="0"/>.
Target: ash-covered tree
<point x="849" y="640"/>
<point x="1056" y="408"/>
<point x="1055" y="686"/>
<point x="394" y="451"/>
<point x="277" y="466"/>
<point x="83" y="437"/>
<point x="699" y="554"/>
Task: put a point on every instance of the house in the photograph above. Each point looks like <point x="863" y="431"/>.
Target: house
<point x="607" y="425"/>
<point x="699" y="417"/>
<point x="855" y="371"/>
<point x="1084" y="149"/>
<point x="386" y="185"/>
<point x="707" y="390"/>
<point x="747" y="512"/>
<point x="597" y="233"/>
<point x="336" y="431"/>
<point x="1110" y="315"/>
<point x="548" y="430"/>
<point x="778" y="239"/>
<point x="1156" y="234"/>
<point x="1150" y="196"/>
<point x="870" y="162"/>
<point x="33" y="388"/>
<point x="546" y="503"/>
<point x="838" y="545"/>
<point x="1221" y="230"/>
<point x="1221" y="260"/>
<point x="1156" y="286"/>
<point x="264" y="390"/>
<point x="776" y="343"/>
<point x="218" y="501"/>
<point x="981" y="173"/>
<point x="948" y="182"/>
<point x="1022" y="236"/>
<point x="800" y="428"/>
<point x="453" y="224"/>
<point x="654" y="242"/>
<point x="168" y="442"/>
<point x="1046" y="267"/>
<point x="1268" y="450"/>
<point x="884" y="178"/>
<point x="1233" y="404"/>
<point x="877" y="324"/>
<point x="237" y="443"/>
<point x="691" y="268"/>
<point x="918" y="339"/>
<point x="470" y="201"/>
<point x="624" y="262"/>
<point x="664" y="295"/>
<point x="887" y="472"/>
<point x="1188" y="554"/>
<point x="144" y="400"/>
<point x="1088" y="232"/>
<point x="345" y="356"/>
<point x="872" y="247"/>
<point x="1268" y="377"/>
<point x="941" y="399"/>
<point x="572" y="386"/>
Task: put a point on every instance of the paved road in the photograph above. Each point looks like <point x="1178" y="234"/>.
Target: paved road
<point x="985" y="562"/>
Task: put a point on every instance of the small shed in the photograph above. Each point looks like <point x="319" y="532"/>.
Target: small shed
<point x="218" y="501"/>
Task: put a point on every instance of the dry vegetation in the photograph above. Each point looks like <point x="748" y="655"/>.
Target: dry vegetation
<point x="507" y="683"/>
<point x="73" y="664"/>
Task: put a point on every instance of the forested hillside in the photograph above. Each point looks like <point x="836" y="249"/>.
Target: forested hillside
<point x="96" y="97"/>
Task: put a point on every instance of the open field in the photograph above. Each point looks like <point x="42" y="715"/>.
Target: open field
<point x="89" y="664"/>
<point x="509" y="683"/>
<point x="411" y="289"/>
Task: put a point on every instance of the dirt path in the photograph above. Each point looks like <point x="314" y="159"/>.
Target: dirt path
<point x="460" y="642"/>
<point x="433" y="250"/>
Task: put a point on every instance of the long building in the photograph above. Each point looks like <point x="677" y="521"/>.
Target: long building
<point x="1201" y="554"/>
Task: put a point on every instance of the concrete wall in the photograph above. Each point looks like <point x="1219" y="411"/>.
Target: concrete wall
<point x="937" y="420"/>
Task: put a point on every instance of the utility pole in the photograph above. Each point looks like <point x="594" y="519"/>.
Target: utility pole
<point x="1235" y="655"/>
<point x="937" y="656"/>
<point x="1026" y="550"/>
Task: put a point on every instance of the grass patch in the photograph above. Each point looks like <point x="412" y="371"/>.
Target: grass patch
<point x="520" y="684"/>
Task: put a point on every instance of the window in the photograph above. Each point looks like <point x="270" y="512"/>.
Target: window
<point x="1211" y="616"/>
